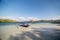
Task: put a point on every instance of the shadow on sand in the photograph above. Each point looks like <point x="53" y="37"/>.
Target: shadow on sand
<point x="39" y="34"/>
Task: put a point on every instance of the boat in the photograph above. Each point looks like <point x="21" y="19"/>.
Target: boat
<point x="24" y="25"/>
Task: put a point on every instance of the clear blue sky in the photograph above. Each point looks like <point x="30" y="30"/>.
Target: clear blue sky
<point x="42" y="9"/>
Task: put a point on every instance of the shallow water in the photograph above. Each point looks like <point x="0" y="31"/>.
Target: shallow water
<point x="36" y="31"/>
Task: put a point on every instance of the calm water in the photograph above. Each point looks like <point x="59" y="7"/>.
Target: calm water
<point x="36" y="31"/>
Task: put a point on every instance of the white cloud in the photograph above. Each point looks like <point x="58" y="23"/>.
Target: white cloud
<point x="56" y="18"/>
<point x="28" y="18"/>
<point x="23" y="19"/>
<point x="33" y="18"/>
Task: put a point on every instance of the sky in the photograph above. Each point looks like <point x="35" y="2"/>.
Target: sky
<point x="42" y="9"/>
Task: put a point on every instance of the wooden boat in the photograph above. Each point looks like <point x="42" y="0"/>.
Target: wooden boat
<point x="24" y="25"/>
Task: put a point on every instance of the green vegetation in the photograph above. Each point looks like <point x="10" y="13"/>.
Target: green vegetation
<point x="55" y="21"/>
<point x="7" y="20"/>
<point x="51" y="21"/>
<point x="10" y="20"/>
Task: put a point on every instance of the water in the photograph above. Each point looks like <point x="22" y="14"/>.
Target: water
<point x="36" y="31"/>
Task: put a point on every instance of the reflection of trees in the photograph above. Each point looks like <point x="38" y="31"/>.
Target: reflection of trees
<point x="13" y="38"/>
<point x="25" y="36"/>
<point x="47" y="34"/>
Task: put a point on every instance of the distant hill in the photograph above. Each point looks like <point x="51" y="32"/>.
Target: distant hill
<point x="51" y="21"/>
<point x="7" y="20"/>
<point x="55" y="21"/>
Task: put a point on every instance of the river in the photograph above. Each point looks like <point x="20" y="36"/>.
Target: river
<point x="36" y="31"/>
